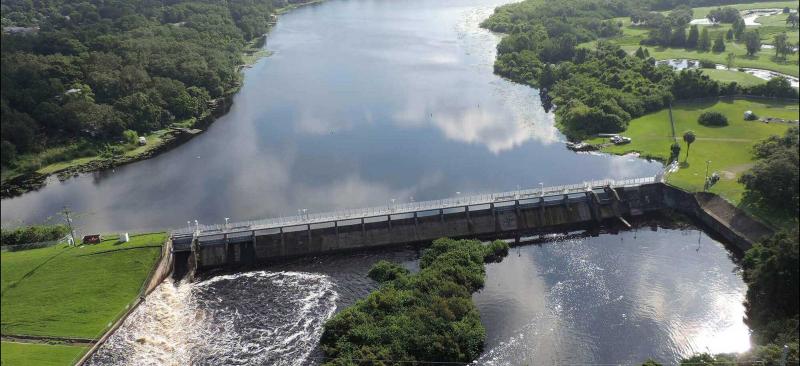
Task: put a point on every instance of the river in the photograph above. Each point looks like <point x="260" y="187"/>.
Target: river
<point x="361" y="102"/>
<point x="660" y="292"/>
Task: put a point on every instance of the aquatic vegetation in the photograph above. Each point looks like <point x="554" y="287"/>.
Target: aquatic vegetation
<point x="424" y="316"/>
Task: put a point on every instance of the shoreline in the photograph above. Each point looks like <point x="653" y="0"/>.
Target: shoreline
<point x="172" y="136"/>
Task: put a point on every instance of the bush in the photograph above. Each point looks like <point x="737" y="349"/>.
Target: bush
<point x="130" y="136"/>
<point x="712" y="118"/>
<point x="428" y="315"/>
<point x="706" y="64"/>
<point x="32" y="234"/>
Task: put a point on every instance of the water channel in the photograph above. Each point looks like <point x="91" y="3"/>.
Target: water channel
<point x="364" y="101"/>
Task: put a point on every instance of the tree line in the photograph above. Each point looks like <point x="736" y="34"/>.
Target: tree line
<point x="602" y="89"/>
<point x="94" y="69"/>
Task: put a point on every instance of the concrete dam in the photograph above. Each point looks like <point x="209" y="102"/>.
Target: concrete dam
<point x="488" y="216"/>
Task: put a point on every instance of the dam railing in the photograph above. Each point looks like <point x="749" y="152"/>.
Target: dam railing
<point x="409" y="208"/>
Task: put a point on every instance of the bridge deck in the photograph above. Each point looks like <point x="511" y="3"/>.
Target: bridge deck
<point x="186" y="235"/>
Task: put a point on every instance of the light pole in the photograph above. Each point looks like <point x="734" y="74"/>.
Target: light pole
<point x="542" y="186"/>
<point x="226" y="222"/>
<point x="196" y="226"/>
<point x="305" y="215"/>
<point x="705" y="186"/>
<point x="458" y="197"/>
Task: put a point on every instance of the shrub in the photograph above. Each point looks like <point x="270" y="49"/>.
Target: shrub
<point x="712" y="118"/>
<point x="706" y="64"/>
<point x="32" y="234"/>
<point x="428" y="315"/>
<point x="130" y="136"/>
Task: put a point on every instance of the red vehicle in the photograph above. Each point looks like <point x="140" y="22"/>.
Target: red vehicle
<point x="92" y="239"/>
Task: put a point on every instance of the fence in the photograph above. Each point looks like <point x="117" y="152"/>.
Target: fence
<point x="411" y="207"/>
<point x="41" y="244"/>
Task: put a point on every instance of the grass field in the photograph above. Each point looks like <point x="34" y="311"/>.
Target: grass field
<point x="78" y="292"/>
<point x="727" y="76"/>
<point x="703" y="11"/>
<point x="765" y="59"/>
<point x="30" y="354"/>
<point x="728" y="148"/>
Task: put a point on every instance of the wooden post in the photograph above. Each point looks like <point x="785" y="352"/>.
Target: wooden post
<point x="253" y="238"/>
<point x="308" y="228"/>
<point x="389" y="220"/>
<point x="441" y="215"/>
<point x="517" y="213"/>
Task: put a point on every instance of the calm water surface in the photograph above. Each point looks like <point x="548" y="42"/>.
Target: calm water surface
<point x="362" y="101"/>
<point x="610" y="299"/>
<point x="368" y="100"/>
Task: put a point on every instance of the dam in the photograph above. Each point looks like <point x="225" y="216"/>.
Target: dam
<point x="496" y="215"/>
<point x="488" y="216"/>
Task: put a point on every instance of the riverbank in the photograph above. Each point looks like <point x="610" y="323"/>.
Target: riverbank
<point x="15" y="183"/>
<point x="728" y="149"/>
<point x="94" y="286"/>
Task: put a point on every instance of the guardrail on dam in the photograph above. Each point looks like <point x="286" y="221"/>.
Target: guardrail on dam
<point x="481" y="216"/>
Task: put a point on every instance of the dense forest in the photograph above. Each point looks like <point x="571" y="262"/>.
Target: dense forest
<point x="100" y="71"/>
<point x="602" y="89"/>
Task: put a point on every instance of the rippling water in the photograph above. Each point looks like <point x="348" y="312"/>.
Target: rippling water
<point x="615" y="298"/>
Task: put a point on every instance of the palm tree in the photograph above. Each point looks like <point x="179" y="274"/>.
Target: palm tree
<point x="688" y="138"/>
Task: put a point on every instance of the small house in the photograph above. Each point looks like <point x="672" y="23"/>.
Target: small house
<point x="142" y="141"/>
<point x="92" y="239"/>
<point x="749" y="116"/>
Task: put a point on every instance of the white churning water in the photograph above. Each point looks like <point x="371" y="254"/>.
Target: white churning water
<point x="264" y="318"/>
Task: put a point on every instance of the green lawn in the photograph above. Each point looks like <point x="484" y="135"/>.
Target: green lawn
<point x="703" y="11"/>
<point x="30" y="354"/>
<point x="727" y="76"/>
<point x="765" y="59"/>
<point x="729" y="148"/>
<point x="73" y="291"/>
<point x="775" y="24"/>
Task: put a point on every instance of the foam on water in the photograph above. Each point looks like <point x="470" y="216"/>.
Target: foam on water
<point x="257" y="317"/>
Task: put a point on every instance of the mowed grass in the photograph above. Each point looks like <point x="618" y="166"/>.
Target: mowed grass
<point x="728" y="148"/>
<point x="73" y="291"/>
<point x="701" y="12"/>
<point x="765" y="59"/>
<point x="727" y="76"/>
<point x="32" y="354"/>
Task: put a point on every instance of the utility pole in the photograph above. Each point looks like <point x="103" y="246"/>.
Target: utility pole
<point x="69" y="224"/>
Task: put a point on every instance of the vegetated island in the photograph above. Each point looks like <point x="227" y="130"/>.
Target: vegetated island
<point x="417" y="317"/>
<point x="579" y="54"/>
<point x="95" y="84"/>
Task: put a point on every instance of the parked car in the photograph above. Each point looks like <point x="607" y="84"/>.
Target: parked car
<point x="619" y="140"/>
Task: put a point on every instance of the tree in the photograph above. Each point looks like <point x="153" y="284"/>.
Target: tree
<point x="640" y="53"/>
<point x="729" y="35"/>
<point x="775" y="177"/>
<point x="738" y="28"/>
<point x="675" y="151"/>
<point x="664" y="35"/>
<point x="752" y="41"/>
<point x="793" y="20"/>
<point x="772" y="274"/>
<point x="704" y="44"/>
<point x="712" y="118"/>
<point x="719" y="44"/>
<point x="688" y="138"/>
<point x="781" y="45"/>
<point x="729" y="60"/>
<point x="694" y="36"/>
<point x="678" y="38"/>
